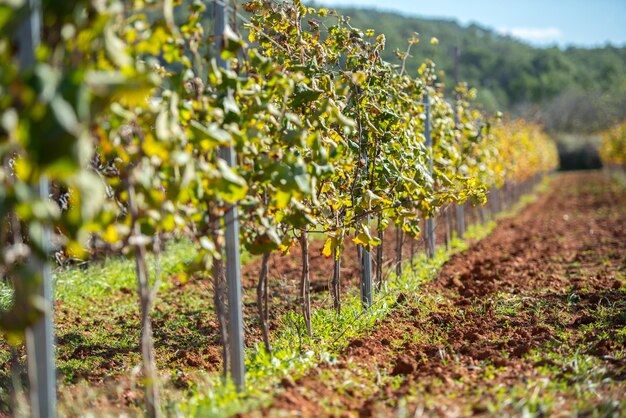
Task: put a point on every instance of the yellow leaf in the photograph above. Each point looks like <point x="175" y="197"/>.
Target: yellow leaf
<point x="183" y="277"/>
<point x="169" y="222"/>
<point x="361" y="239"/>
<point x="22" y="168"/>
<point x="327" y="251"/>
<point x="76" y="250"/>
<point x="154" y="148"/>
<point x="110" y="234"/>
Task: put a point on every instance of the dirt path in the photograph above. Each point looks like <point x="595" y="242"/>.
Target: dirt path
<point x="531" y="320"/>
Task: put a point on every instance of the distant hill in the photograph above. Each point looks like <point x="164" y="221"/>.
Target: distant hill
<point x="573" y="89"/>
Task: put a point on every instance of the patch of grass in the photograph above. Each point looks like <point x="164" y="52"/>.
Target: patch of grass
<point x="81" y="285"/>
<point x="619" y="179"/>
<point x="570" y="385"/>
<point x="506" y="305"/>
<point x="101" y="279"/>
<point x="6" y="296"/>
<point x="568" y="376"/>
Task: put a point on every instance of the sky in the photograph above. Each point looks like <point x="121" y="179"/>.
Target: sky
<point x="587" y="23"/>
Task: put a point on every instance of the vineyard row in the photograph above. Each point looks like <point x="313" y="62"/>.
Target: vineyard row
<point x="129" y="114"/>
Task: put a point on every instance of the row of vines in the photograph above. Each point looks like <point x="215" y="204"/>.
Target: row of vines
<point x="613" y="147"/>
<point x="127" y="112"/>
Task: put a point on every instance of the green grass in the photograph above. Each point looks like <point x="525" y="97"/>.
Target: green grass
<point x="6" y="296"/>
<point x="564" y="378"/>
<point x="79" y="286"/>
<point x="561" y="377"/>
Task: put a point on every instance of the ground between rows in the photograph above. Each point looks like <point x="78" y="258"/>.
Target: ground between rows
<point x="530" y="320"/>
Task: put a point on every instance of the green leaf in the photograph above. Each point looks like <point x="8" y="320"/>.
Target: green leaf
<point x="281" y="199"/>
<point x="230" y="105"/>
<point x="304" y="95"/>
<point x="209" y="136"/>
<point x="265" y="242"/>
<point x="232" y="44"/>
<point x="92" y="194"/>
<point x="231" y="187"/>
<point x="366" y="239"/>
<point x="116" y="48"/>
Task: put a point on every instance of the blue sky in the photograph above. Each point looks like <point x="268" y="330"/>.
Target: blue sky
<point x="548" y="22"/>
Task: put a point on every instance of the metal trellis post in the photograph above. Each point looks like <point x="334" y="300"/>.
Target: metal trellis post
<point x="459" y="208"/>
<point x="366" y="275"/>
<point x="231" y="220"/>
<point x="366" y="257"/>
<point x="39" y="336"/>
<point x="430" y="222"/>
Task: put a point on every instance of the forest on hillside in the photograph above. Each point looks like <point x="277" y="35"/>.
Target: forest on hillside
<point x="570" y="89"/>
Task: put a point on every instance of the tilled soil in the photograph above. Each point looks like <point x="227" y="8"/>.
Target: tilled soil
<point x="530" y="320"/>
